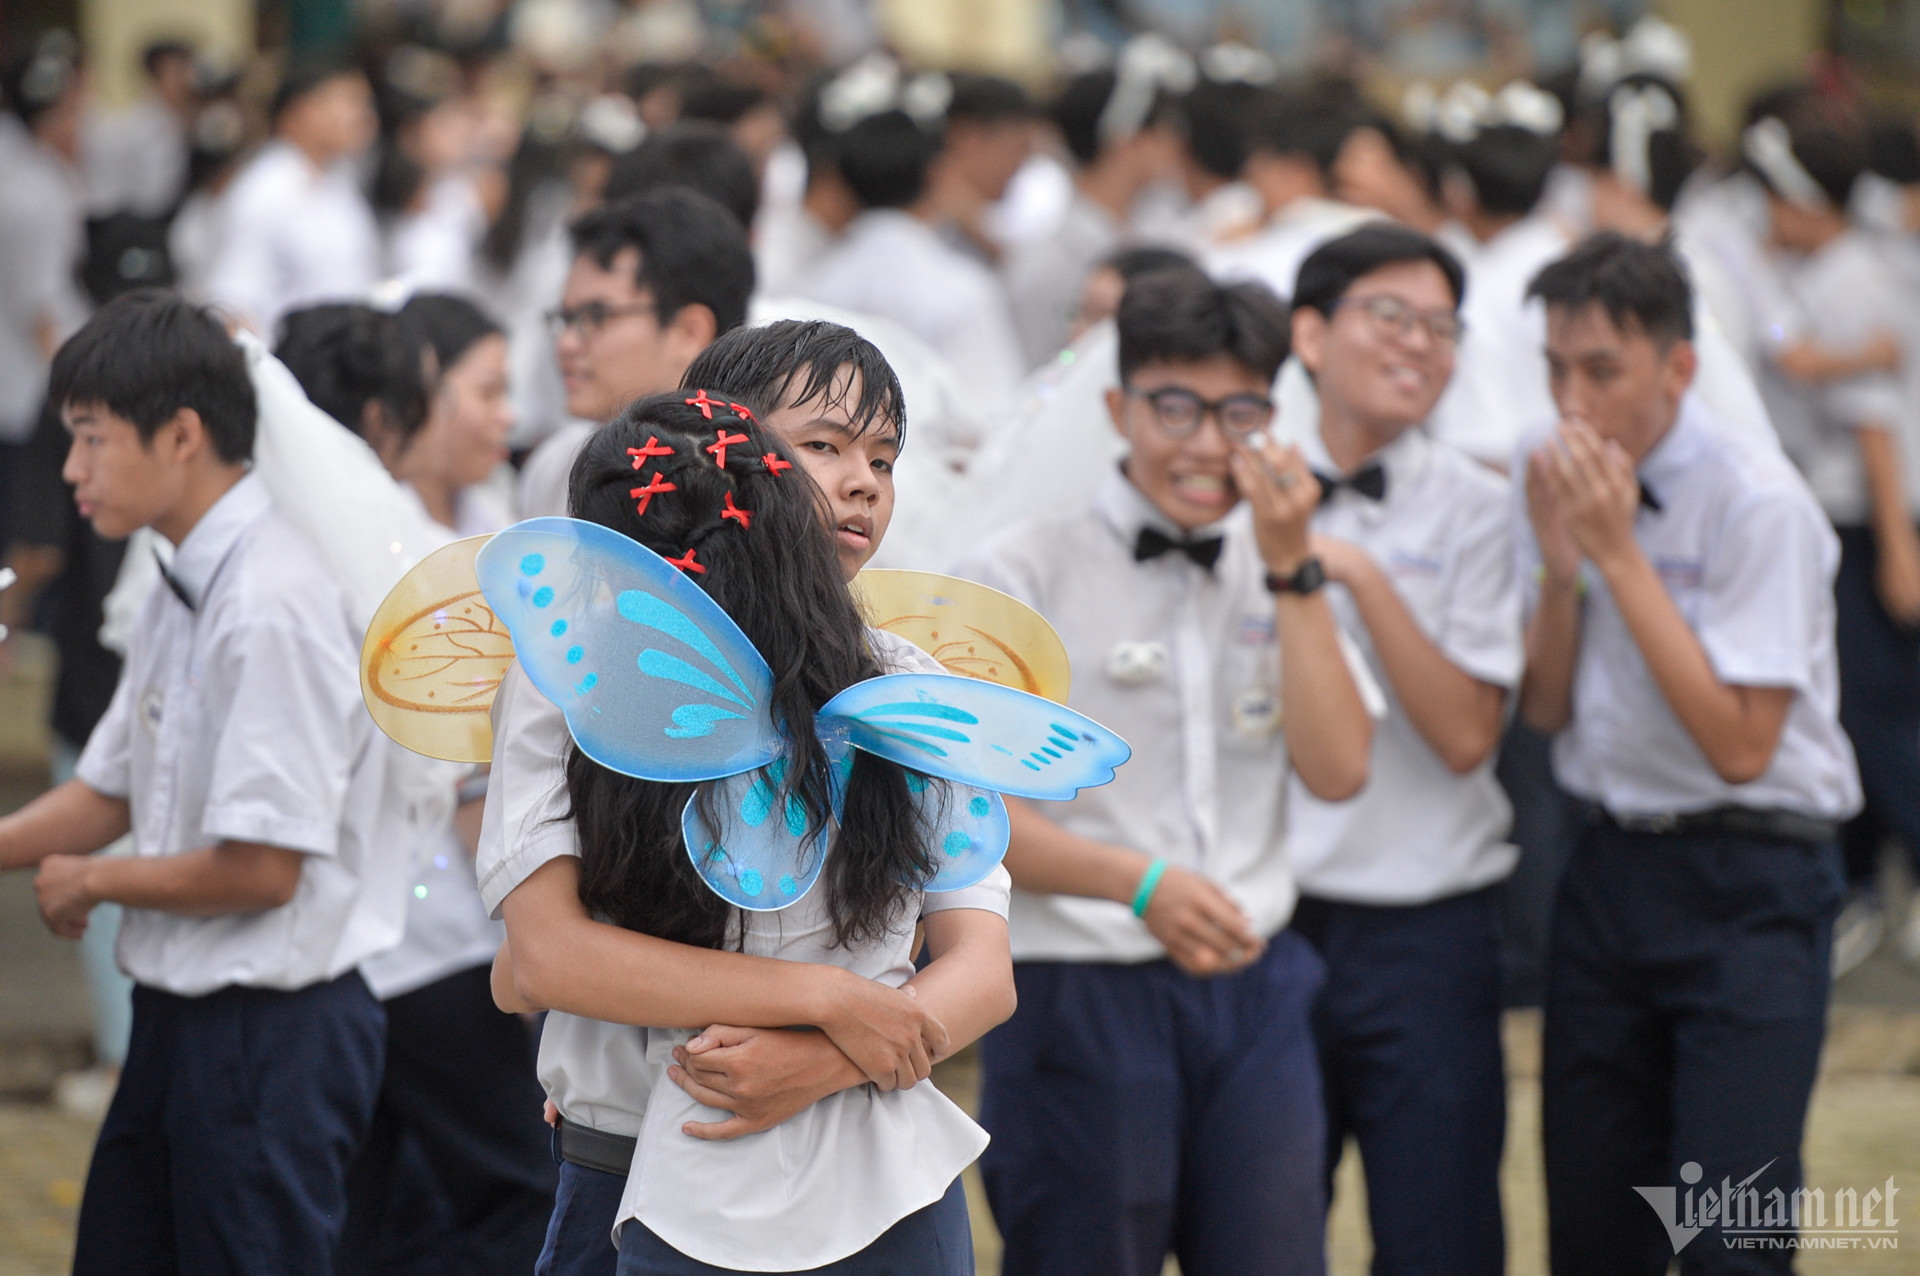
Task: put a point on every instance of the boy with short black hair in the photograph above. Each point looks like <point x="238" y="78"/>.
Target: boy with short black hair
<point x="1680" y="648"/>
<point x="1158" y="1090"/>
<point x="238" y="752"/>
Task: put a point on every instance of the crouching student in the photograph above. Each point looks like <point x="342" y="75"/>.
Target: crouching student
<point x="1158" y="1090"/>
<point x="1681" y="650"/>
<point x="237" y="751"/>
<point x="1399" y="887"/>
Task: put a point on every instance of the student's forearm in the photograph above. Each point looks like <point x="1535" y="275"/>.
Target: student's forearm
<point x="1047" y="859"/>
<point x="1553" y="644"/>
<point x="1455" y="713"/>
<point x="71" y="819"/>
<point x="1737" y="728"/>
<point x="232" y="877"/>
<point x="969" y="983"/>
<point x="1893" y="530"/>
<point x="1329" y="734"/>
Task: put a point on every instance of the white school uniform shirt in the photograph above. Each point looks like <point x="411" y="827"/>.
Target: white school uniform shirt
<point x="788" y="242"/>
<point x="1749" y="560"/>
<point x="892" y="264"/>
<point x="1442" y="534"/>
<point x="598" y="1074"/>
<point x="1045" y="278"/>
<point x="295" y="235"/>
<point x="1185" y="665"/>
<point x="1273" y="254"/>
<point x="1499" y="385"/>
<point x="1843" y="295"/>
<point x="135" y="159"/>
<point x="42" y="238"/>
<point x="241" y="720"/>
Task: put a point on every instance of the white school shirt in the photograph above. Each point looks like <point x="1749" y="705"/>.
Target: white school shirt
<point x="1499" y="385"/>
<point x="242" y="721"/>
<point x="1273" y="254"/>
<point x="295" y="235"/>
<point x="136" y="159"/>
<point x="1843" y="295"/>
<point x="1185" y="665"/>
<point x="788" y="241"/>
<point x="1749" y="560"/>
<point x="42" y="238"/>
<point x="596" y="1073"/>
<point x="1418" y="832"/>
<point x="892" y="264"/>
<point x="1046" y="278"/>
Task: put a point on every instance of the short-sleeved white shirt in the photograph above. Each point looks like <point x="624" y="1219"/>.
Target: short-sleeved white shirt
<point x="1185" y="665"/>
<point x="42" y="238"/>
<point x="1749" y="560"/>
<point x="1273" y="254"/>
<point x="1418" y="832"/>
<point x="241" y="720"/>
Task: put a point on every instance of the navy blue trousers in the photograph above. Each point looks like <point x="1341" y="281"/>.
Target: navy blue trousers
<point x="226" y="1147"/>
<point x="1880" y="709"/>
<point x="1686" y="1002"/>
<point x="1408" y="1027"/>
<point x="1137" y="1110"/>
<point x="935" y="1241"/>
<point x="580" y="1233"/>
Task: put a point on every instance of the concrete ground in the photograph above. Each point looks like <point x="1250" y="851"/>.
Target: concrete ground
<point x="1864" y="1126"/>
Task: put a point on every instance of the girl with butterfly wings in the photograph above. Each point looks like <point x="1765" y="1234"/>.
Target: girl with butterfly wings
<point x="742" y="778"/>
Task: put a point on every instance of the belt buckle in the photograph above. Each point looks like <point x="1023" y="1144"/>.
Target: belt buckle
<point x="1666" y="822"/>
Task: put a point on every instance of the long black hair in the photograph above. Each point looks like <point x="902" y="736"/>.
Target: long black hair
<point x="780" y="580"/>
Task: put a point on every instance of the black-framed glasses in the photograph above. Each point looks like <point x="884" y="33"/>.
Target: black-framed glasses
<point x="1395" y="318"/>
<point x="589" y="319"/>
<point x="1179" y="412"/>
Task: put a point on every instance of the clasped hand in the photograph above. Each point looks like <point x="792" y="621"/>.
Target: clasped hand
<point x="1582" y="495"/>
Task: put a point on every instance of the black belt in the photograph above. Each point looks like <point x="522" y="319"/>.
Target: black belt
<point x="1736" y="821"/>
<point x="594" y="1149"/>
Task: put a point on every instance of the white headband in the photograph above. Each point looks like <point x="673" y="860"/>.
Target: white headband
<point x="612" y="123"/>
<point x="1651" y="47"/>
<point x="875" y="85"/>
<point x="1148" y="65"/>
<point x="1237" y="64"/>
<point x="1768" y="146"/>
<point x="1635" y="116"/>
<point x="1467" y="109"/>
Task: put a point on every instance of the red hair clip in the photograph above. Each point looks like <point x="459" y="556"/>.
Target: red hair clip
<point x="654" y="487"/>
<point x="742" y="410"/>
<point x="774" y="464"/>
<point x="705" y="404"/>
<point x="734" y="512"/>
<point x="686" y="563"/>
<point x="653" y="448"/>
<point x="719" y="450"/>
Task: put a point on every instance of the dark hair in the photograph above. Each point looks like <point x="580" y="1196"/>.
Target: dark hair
<point x="450" y="324"/>
<point x="692" y="251"/>
<point x="699" y="156"/>
<point x="1508" y="167"/>
<point x="1181" y="316"/>
<point x="987" y="99"/>
<point x="1338" y="264"/>
<point x="1830" y="143"/>
<point x="159" y="51"/>
<point x="303" y="77"/>
<point x="346" y="355"/>
<point x="1671" y="156"/>
<point x="1077" y="110"/>
<point x="780" y="581"/>
<point x="722" y="101"/>
<point x="800" y="361"/>
<point x="885" y="159"/>
<point x="1894" y="150"/>
<point x="149" y="353"/>
<point x="1300" y="122"/>
<point x="536" y="163"/>
<point x="34" y="81"/>
<point x="1213" y="119"/>
<point x="1640" y="285"/>
<point x="1131" y="263"/>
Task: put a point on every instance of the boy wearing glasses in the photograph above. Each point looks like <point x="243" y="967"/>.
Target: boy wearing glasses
<point x="1158" y="1089"/>
<point x="1399" y="886"/>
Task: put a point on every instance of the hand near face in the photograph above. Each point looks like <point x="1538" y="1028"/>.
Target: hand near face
<point x="1283" y="493"/>
<point x="1592" y="489"/>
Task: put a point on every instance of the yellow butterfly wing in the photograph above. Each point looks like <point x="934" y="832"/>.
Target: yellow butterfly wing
<point x="434" y="656"/>
<point x="973" y="630"/>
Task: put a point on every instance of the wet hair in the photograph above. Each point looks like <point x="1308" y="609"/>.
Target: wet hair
<point x="149" y="353"/>
<point x="450" y="324"/>
<point x="692" y="251"/>
<point x="1641" y="286"/>
<point x="1335" y="266"/>
<point x="1213" y="119"/>
<point x="1181" y="316"/>
<point x="801" y="361"/>
<point x="781" y="582"/>
<point x="346" y="356"/>
<point x="885" y="159"/>
<point x="699" y="156"/>
<point x="1508" y="167"/>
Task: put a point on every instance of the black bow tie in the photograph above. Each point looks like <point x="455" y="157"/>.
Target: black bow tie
<point x="1648" y="499"/>
<point x="173" y="583"/>
<point x="1369" y="481"/>
<point x="1204" y="550"/>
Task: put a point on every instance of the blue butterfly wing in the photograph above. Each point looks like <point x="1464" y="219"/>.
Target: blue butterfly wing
<point x="967" y="830"/>
<point x="761" y="857"/>
<point x="977" y="733"/>
<point x="656" y="681"/>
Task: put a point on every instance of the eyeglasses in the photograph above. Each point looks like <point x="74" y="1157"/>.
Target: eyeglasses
<point x="589" y="319"/>
<point x="1179" y="412"/>
<point x="1395" y="318"/>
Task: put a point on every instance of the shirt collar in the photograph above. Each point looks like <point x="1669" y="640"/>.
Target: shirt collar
<point x="1661" y="469"/>
<point x="1125" y="509"/>
<point x="1404" y="460"/>
<point x="197" y="560"/>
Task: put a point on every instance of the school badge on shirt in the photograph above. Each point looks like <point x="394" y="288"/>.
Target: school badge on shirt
<point x="1134" y="664"/>
<point x="152" y="709"/>
<point x="1256" y="713"/>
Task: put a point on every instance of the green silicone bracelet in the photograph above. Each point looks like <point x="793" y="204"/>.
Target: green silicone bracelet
<point x="1149" y="880"/>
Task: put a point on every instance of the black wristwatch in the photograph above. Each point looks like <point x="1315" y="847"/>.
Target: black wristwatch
<point x="1306" y="578"/>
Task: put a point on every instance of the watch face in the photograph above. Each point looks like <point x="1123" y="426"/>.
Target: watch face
<point x="1310" y="576"/>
